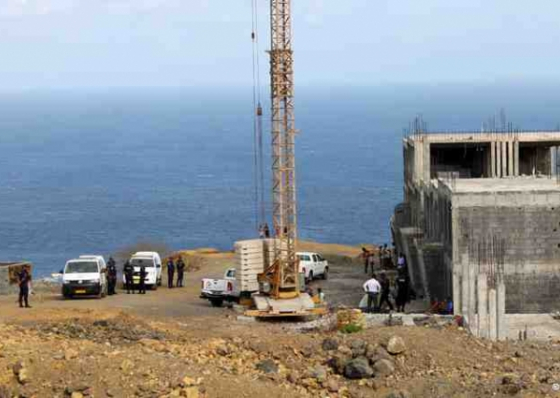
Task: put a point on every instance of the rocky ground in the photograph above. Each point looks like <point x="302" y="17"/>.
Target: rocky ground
<point x="169" y="343"/>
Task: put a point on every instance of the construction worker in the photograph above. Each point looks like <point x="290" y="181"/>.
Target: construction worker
<point x="372" y="289"/>
<point x="180" y="271"/>
<point x="111" y="276"/>
<point x="142" y="284"/>
<point x="366" y="257"/>
<point x="385" y="292"/>
<point x="128" y="271"/>
<point x="170" y="272"/>
<point x="402" y="291"/>
<point x="24" y="278"/>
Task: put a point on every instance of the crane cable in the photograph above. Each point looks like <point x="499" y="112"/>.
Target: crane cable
<point x="257" y="122"/>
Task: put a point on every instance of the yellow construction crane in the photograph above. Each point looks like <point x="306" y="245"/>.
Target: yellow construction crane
<point x="280" y="286"/>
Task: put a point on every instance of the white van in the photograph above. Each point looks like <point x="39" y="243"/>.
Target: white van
<point x="152" y="262"/>
<point x="85" y="276"/>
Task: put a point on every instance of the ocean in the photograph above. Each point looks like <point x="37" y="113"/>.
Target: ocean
<point x="96" y="171"/>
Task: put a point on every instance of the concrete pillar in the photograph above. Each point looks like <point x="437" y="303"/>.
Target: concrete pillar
<point x="510" y="158"/>
<point x="464" y="285"/>
<point x="492" y="314"/>
<point x="498" y="159"/>
<point x="482" y="310"/>
<point x="492" y="159"/>
<point x="501" y="326"/>
<point x="516" y="158"/>
<point x="457" y="303"/>
<point x="422" y="269"/>
<point x="504" y="158"/>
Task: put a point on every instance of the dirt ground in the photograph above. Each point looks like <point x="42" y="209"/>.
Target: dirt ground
<point x="171" y="343"/>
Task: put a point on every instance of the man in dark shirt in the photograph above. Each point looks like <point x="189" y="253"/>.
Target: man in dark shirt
<point x="170" y="272"/>
<point x="111" y="276"/>
<point x="128" y="271"/>
<point x="143" y="273"/>
<point x="180" y="272"/>
<point x="23" y="280"/>
<point x="385" y="291"/>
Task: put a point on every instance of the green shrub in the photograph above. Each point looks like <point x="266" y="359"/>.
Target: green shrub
<point x="351" y="328"/>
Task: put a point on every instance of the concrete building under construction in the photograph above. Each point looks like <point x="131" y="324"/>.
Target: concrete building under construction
<point x="480" y="222"/>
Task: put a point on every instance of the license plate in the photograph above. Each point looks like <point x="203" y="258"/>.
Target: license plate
<point x="81" y="291"/>
<point x="136" y="279"/>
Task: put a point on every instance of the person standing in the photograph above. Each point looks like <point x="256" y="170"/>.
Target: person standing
<point x="401" y="262"/>
<point x="170" y="272"/>
<point x="180" y="271"/>
<point x="24" y="278"/>
<point x="402" y="292"/>
<point x="366" y="258"/>
<point x="372" y="289"/>
<point x="111" y="276"/>
<point x="142" y="285"/>
<point x="128" y="271"/>
<point x="385" y="292"/>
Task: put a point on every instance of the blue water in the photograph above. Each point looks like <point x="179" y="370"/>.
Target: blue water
<point x="96" y="171"/>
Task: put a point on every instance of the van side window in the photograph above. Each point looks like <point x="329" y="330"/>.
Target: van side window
<point x="320" y="257"/>
<point x="315" y="258"/>
<point x="231" y="273"/>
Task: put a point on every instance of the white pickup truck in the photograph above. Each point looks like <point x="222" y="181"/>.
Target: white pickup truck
<point x="219" y="290"/>
<point x="312" y="265"/>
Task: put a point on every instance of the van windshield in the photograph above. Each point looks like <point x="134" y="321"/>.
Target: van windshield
<point x="81" y="267"/>
<point x="146" y="262"/>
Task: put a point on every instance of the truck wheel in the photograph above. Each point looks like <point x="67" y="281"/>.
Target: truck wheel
<point x="310" y="277"/>
<point x="216" y="302"/>
<point x="154" y="286"/>
<point x="326" y="274"/>
<point x="159" y="282"/>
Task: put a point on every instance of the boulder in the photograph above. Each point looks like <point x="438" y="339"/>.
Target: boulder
<point x="332" y="386"/>
<point x="358" y="368"/>
<point x="318" y="373"/>
<point x="330" y="344"/>
<point x="267" y="366"/>
<point x="396" y="345"/>
<point x="358" y="348"/>
<point x="223" y="350"/>
<point x="338" y="363"/>
<point x="383" y="367"/>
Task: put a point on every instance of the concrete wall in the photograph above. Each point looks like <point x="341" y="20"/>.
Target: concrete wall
<point x="531" y="252"/>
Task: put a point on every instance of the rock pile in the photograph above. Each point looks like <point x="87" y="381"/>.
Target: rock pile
<point x="361" y="360"/>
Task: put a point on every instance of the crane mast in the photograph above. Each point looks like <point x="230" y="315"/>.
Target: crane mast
<point x="286" y="271"/>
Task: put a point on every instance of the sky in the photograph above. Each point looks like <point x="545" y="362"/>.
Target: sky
<point x="206" y="43"/>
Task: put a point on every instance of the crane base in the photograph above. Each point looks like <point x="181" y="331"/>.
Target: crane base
<point x="268" y="307"/>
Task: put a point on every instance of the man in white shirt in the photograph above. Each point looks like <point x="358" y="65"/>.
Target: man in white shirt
<point x="372" y="289"/>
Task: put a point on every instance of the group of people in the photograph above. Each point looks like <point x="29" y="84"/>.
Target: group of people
<point x="128" y="271"/>
<point x="171" y="267"/>
<point x="384" y="258"/>
<point x="381" y="292"/>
